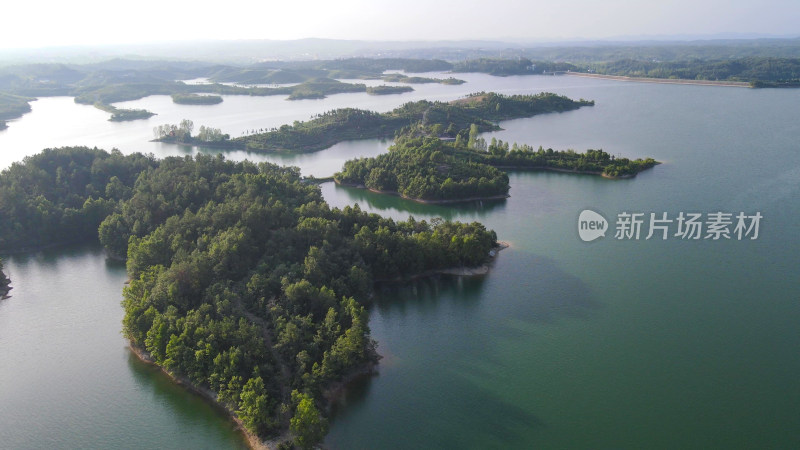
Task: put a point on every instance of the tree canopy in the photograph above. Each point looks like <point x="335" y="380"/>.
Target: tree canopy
<point x="243" y="280"/>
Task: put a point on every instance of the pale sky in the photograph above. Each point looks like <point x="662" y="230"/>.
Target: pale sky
<point x="31" y="23"/>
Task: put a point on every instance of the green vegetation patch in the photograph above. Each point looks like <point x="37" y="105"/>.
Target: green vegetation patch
<point x="425" y="169"/>
<point x="13" y="106"/>
<point x="243" y="280"/>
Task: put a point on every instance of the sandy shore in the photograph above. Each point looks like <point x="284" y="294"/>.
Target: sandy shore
<point x="661" y="80"/>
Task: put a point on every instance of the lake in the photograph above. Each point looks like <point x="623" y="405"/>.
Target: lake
<point x="564" y="344"/>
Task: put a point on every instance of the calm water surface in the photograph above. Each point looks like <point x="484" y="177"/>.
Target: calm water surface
<point x="613" y="344"/>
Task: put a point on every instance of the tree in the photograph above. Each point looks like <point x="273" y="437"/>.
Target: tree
<point x="308" y="426"/>
<point x="254" y="406"/>
<point x="186" y="128"/>
<point x="4" y="281"/>
<point x="473" y="135"/>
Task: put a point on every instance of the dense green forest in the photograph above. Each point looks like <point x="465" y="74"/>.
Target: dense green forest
<point x="62" y="195"/>
<point x="445" y="118"/>
<point x="243" y="280"/>
<point x="506" y="67"/>
<point x="425" y="169"/>
<point x="420" y="166"/>
<point x="194" y="99"/>
<point x="598" y="162"/>
<point x="759" y="71"/>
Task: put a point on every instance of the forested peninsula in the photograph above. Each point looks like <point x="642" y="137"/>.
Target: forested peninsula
<point x="244" y="283"/>
<point x="481" y="109"/>
<point x="12" y="106"/>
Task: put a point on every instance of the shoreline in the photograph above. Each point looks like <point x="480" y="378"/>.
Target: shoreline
<point x="482" y="269"/>
<point x="253" y="441"/>
<point x="337" y="389"/>
<point x="40" y="248"/>
<point x="421" y="200"/>
<point x="570" y="171"/>
<point x="330" y="393"/>
<point x="661" y="80"/>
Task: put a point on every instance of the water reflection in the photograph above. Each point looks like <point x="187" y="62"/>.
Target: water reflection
<point x="447" y="339"/>
<point x="183" y="404"/>
<point x="544" y="292"/>
<point x="425" y="293"/>
<point x="50" y="257"/>
<point x="400" y="208"/>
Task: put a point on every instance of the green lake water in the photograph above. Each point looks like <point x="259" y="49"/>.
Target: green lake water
<point x="564" y="344"/>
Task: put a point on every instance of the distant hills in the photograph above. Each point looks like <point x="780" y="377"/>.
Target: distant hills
<point x="664" y="48"/>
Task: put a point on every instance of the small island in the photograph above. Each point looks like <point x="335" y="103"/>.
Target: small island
<point x="321" y="88"/>
<point x="386" y="89"/>
<point x="425" y="170"/>
<point x="123" y="115"/>
<point x="195" y="99"/>
<point x="428" y="169"/>
<point x="400" y="78"/>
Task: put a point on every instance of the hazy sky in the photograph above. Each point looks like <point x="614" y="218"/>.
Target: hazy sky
<point x="31" y="23"/>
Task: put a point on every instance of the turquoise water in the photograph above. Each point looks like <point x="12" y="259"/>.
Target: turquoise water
<point x="68" y="380"/>
<point x="565" y="344"/>
<point x="610" y="344"/>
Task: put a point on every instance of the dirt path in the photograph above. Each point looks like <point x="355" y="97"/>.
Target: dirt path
<point x="264" y="326"/>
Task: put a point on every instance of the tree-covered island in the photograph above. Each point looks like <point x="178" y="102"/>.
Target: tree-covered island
<point x="123" y="114"/>
<point x="243" y="282"/>
<point x="400" y="78"/>
<point x="424" y="168"/>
